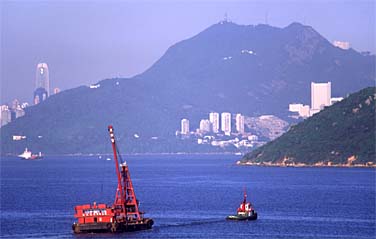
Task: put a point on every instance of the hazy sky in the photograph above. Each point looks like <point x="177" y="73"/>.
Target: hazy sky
<point x="86" y="41"/>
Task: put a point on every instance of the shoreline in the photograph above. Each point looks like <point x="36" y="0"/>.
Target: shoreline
<point x="301" y="165"/>
<point x="130" y="154"/>
<point x="236" y="163"/>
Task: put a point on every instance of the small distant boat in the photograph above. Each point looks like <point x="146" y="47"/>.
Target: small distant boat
<point x="245" y="211"/>
<point x="29" y="156"/>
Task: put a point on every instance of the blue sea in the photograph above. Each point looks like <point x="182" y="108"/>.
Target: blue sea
<point x="189" y="197"/>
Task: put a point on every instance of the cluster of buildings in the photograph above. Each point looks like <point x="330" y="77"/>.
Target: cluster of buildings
<point x="345" y="45"/>
<point x="342" y="44"/>
<point x="321" y="97"/>
<point x="215" y="124"/>
<point x="10" y="112"/>
<point x="218" y="129"/>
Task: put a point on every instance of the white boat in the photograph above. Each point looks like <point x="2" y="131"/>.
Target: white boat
<point x="29" y="156"/>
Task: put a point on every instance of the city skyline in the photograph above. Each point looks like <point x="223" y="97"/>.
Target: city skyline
<point x="255" y="70"/>
<point x="259" y="130"/>
<point x="215" y="124"/>
<point x="128" y="48"/>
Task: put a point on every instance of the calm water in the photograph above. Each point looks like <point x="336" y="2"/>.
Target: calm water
<point x="189" y="197"/>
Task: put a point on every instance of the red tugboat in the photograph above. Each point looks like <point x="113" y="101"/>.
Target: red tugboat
<point x="27" y="155"/>
<point x="123" y="215"/>
<point x="245" y="211"/>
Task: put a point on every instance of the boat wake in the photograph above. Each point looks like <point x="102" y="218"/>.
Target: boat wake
<point x="190" y="223"/>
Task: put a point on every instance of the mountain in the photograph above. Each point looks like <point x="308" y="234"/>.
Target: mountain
<point x="252" y="70"/>
<point x="343" y="133"/>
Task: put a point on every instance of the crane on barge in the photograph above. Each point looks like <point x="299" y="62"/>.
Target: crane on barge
<point x="123" y="215"/>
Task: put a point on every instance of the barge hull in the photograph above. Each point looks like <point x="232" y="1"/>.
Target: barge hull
<point x="112" y="227"/>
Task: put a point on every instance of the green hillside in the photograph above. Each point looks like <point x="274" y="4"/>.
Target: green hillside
<point x="343" y="133"/>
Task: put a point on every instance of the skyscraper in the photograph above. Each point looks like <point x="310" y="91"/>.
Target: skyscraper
<point x="239" y="120"/>
<point x="204" y="126"/>
<point x="226" y="123"/>
<point x="320" y="96"/>
<point x="42" y="83"/>
<point x="19" y="112"/>
<point x="40" y="95"/>
<point x="5" y="115"/>
<point x="214" y="120"/>
<point x="184" y="126"/>
<point x="15" y="104"/>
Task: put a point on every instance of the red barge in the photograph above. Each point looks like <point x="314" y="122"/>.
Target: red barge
<point x="123" y="215"/>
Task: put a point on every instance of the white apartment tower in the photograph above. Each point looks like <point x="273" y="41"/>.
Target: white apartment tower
<point x="184" y="126"/>
<point x="239" y="121"/>
<point x="320" y="96"/>
<point x="204" y="126"/>
<point x="214" y="120"/>
<point x="5" y="115"/>
<point x="226" y="123"/>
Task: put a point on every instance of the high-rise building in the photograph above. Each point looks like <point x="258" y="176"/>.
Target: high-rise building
<point x="184" y="126"/>
<point x="239" y="121"/>
<point x="5" y="115"/>
<point x="214" y="120"/>
<point x="42" y="83"/>
<point x="204" y="126"/>
<point x="295" y="107"/>
<point x="19" y="112"/>
<point x="40" y="95"/>
<point x="320" y="96"/>
<point x="15" y="104"/>
<point x="226" y="123"/>
<point x="304" y="111"/>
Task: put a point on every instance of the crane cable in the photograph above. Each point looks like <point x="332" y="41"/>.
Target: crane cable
<point x="118" y="153"/>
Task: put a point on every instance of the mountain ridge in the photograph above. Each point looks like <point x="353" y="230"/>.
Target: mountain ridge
<point x="227" y="67"/>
